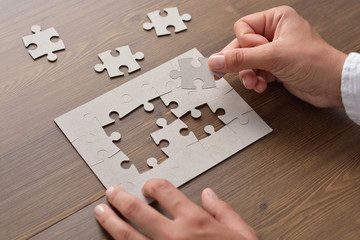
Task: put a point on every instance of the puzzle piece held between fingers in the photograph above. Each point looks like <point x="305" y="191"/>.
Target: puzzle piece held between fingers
<point x="161" y="23"/>
<point x="42" y="39"/>
<point x="189" y="73"/>
<point x="125" y="59"/>
<point x="171" y="133"/>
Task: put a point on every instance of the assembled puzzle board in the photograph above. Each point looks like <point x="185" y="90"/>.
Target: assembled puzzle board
<point x="187" y="156"/>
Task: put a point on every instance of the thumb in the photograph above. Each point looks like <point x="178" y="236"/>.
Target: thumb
<point x="225" y="214"/>
<point x="238" y="59"/>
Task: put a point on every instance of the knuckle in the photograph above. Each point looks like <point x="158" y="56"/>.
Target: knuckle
<point x="236" y="24"/>
<point x="124" y="233"/>
<point x="157" y="185"/>
<point x="237" y="58"/>
<point x="287" y="9"/>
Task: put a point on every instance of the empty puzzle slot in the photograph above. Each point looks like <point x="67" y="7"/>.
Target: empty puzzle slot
<point x="135" y="129"/>
<point x="207" y="118"/>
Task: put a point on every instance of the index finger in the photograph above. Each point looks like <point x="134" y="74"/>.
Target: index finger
<point x="172" y="199"/>
<point x="258" y="28"/>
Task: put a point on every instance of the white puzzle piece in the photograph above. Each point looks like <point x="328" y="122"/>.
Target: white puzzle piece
<point x="190" y="72"/>
<point x="161" y="23"/>
<point x="233" y="105"/>
<point x="188" y="99"/>
<point x="92" y="146"/>
<point x="113" y="63"/>
<point x="42" y="39"/>
<point x="171" y="133"/>
<point x="188" y="157"/>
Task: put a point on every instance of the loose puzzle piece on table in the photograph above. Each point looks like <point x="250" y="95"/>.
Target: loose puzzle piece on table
<point x="42" y="39"/>
<point x="187" y="156"/>
<point x="171" y="133"/>
<point x="161" y="23"/>
<point x="113" y="63"/>
<point x="189" y="73"/>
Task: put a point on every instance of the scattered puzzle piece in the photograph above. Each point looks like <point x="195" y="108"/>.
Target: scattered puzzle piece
<point x="171" y="133"/>
<point x="42" y="39"/>
<point x="161" y="23"/>
<point x="125" y="59"/>
<point x="189" y="73"/>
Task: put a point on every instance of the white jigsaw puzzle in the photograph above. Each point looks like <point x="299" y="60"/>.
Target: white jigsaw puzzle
<point x="113" y="63"/>
<point x="187" y="156"/>
<point x="161" y="23"/>
<point x="42" y="39"/>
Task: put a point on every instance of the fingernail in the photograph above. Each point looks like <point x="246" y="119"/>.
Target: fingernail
<point x="243" y="81"/>
<point x="211" y="193"/>
<point x="99" y="210"/>
<point x="217" y="62"/>
<point x="109" y="191"/>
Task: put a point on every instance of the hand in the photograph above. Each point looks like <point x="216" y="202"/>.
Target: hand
<point x="279" y="45"/>
<point x="216" y="221"/>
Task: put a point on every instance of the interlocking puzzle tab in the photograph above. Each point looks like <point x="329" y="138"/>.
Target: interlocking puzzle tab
<point x="171" y="133"/>
<point x="161" y="23"/>
<point x="189" y="73"/>
<point x="125" y="59"/>
<point x="42" y="39"/>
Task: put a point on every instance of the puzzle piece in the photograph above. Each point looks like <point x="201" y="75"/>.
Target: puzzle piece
<point x="189" y="73"/>
<point x="91" y="146"/>
<point x="42" y="39"/>
<point x="134" y="94"/>
<point x="225" y="136"/>
<point x="112" y="64"/>
<point x="254" y="129"/>
<point x="188" y="100"/>
<point x="233" y="105"/>
<point x="152" y="162"/>
<point x="110" y="172"/>
<point x="171" y="133"/>
<point x="161" y="23"/>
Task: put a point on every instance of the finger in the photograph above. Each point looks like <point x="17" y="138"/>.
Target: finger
<point x="172" y="199"/>
<point x="247" y="36"/>
<point x="225" y="214"/>
<point x="248" y="78"/>
<point x="138" y="212"/>
<point x="114" y="225"/>
<point x="260" y="24"/>
<point x="260" y="85"/>
<point x="261" y="57"/>
<point x="232" y="45"/>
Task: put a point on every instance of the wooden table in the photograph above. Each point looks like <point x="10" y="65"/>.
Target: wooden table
<point x="300" y="182"/>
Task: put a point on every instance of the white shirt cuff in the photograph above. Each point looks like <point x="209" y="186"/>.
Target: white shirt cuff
<point x="350" y="86"/>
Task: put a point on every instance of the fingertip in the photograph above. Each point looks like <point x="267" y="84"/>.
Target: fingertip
<point x="217" y="62"/>
<point x="260" y="85"/>
<point x="248" y="79"/>
<point x="99" y="210"/>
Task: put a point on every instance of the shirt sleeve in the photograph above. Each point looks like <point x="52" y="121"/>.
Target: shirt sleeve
<point x="350" y="86"/>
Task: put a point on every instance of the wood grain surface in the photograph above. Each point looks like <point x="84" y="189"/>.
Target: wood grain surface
<point x="300" y="182"/>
